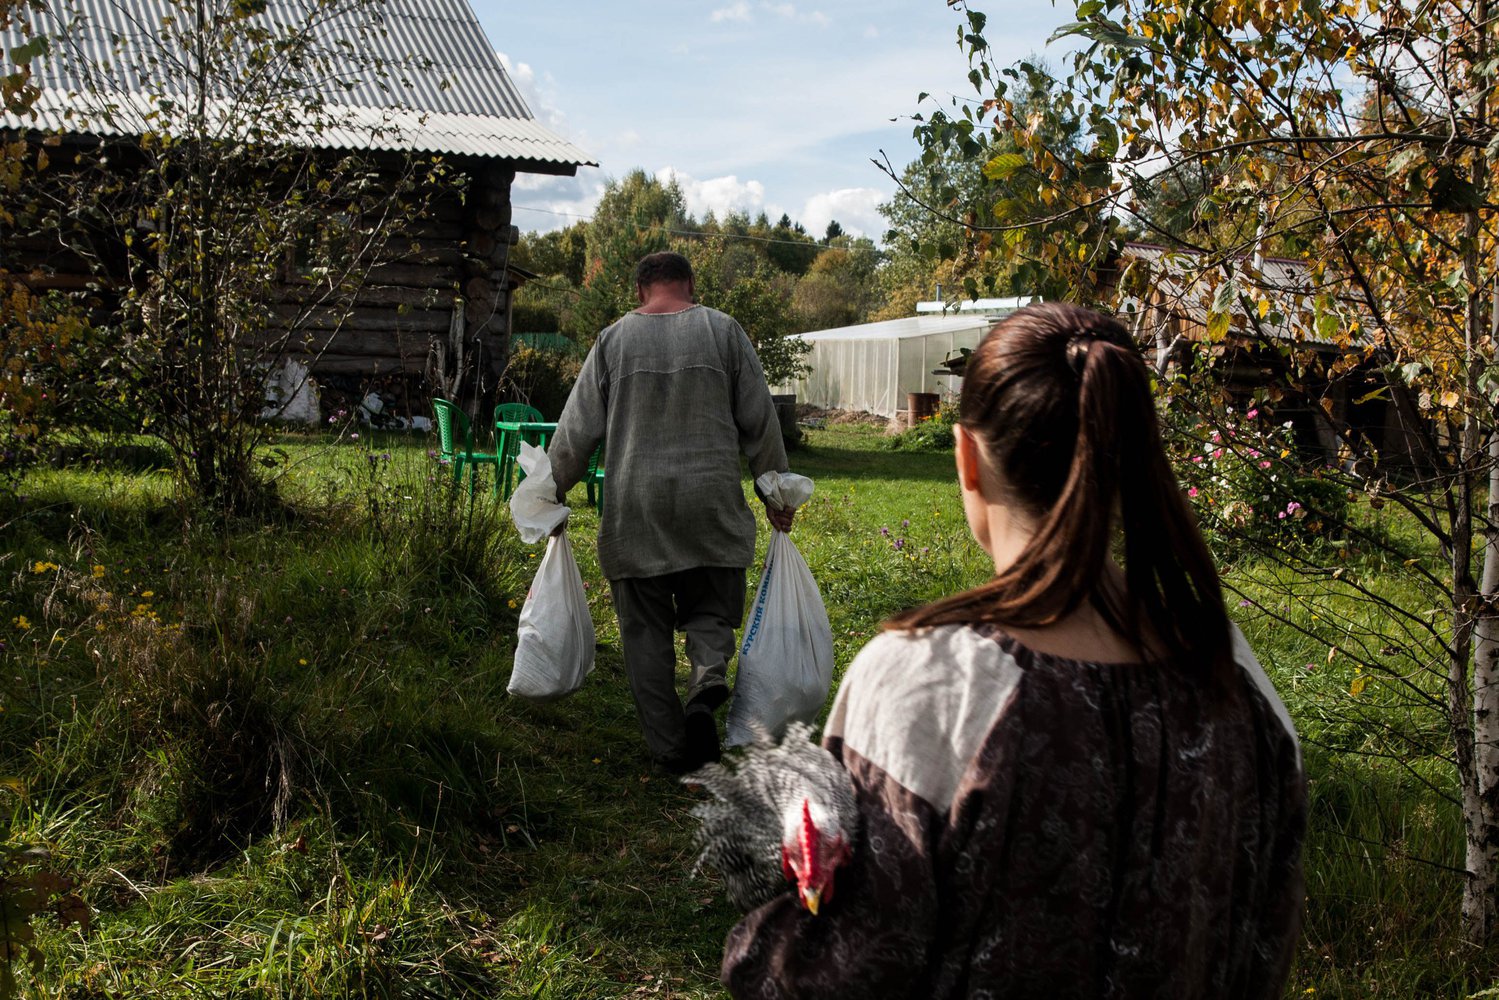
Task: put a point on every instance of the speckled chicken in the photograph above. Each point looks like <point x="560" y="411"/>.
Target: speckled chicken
<point x="782" y="816"/>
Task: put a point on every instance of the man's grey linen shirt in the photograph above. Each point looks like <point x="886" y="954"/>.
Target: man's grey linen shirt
<point x="677" y="396"/>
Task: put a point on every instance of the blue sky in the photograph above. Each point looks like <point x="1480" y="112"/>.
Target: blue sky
<point x="751" y="104"/>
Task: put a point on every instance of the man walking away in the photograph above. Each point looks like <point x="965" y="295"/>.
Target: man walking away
<point x="677" y="391"/>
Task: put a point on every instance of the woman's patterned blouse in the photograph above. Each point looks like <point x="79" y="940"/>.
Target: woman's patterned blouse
<point x="1043" y="827"/>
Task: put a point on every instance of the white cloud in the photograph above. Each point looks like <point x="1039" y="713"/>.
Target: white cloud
<point x="543" y="203"/>
<point x="538" y="93"/>
<point x="719" y="195"/>
<point x="739" y="11"/>
<point x="856" y="210"/>
<point x="870" y="31"/>
<point x="790" y="13"/>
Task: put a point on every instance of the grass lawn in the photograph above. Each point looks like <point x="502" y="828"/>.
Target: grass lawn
<point x="280" y="760"/>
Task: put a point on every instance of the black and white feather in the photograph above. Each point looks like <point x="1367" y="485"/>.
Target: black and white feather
<point x="757" y="806"/>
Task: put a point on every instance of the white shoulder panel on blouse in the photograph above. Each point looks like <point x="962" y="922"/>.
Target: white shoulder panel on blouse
<point x="918" y="705"/>
<point x="1250" y="664"/>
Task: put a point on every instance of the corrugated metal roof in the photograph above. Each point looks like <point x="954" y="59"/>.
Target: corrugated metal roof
<point x="1183" y="283"/>
<point x="903" y="328"/>
<point x="398" y="74"/>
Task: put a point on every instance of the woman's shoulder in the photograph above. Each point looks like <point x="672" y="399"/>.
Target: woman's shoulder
<point x="919" y="703"/>
<point x="1259" y="682"/>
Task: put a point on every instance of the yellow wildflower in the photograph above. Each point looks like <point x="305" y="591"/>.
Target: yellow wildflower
<point x="512" y="602"/>
<point x="42" y="567"/>
<point x="98" y="572"/>
<point x="148" y="593"/>
<point x="21" y="621"/>
<point x="302" y="662"/>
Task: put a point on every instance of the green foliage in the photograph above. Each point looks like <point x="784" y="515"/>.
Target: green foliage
<point x="543" y="378"/>
<point x="1246" y="478"/>
<point x="227" y="244"/>
<point x="839" y="288"/>
<point x="443" y="839"/>
<point x="561" y="253"/>
<point x="25" y="892"/>
<point x="792" y="251"/>
<point x="1233" y="131"/>
<point x="41" y="349"/>
<point x="635" y="217"/>
<point x="1003" y="199"/>
<point x="737" y="282"/>
<point x="932" y="434"/>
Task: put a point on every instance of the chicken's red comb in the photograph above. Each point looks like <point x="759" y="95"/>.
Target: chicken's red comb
<point x="810" y="836"/>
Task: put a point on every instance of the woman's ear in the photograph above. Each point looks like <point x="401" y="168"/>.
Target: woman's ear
<point x="966" y="453"/>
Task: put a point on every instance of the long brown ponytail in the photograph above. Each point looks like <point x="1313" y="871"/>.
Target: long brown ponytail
<point x="1060" y="401"/>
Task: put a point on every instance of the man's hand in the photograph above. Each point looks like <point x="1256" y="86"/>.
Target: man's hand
<point x="780" y="519"/>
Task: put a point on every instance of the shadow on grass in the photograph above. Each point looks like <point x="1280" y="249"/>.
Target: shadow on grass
<point x="861" y="454"/>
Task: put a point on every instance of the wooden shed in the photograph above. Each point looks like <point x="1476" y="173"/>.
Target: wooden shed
<point x="436" y="305"/>
<point x="1167" y="294"/>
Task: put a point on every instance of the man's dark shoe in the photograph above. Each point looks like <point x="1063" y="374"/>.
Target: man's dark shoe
<point x="677" y="765"/>
<point x="702" y="738"/>
<point x="708" y="698"/>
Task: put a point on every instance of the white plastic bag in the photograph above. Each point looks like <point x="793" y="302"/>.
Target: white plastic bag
<point x="786" y="659"/>
<point x="554" y="652"/>
<point x="784" y="489"/>
<point x="555" y="648"/>
<point x="534" y="505"/>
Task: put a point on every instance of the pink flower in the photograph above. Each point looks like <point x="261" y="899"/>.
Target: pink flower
<point x="1281" y="515"/>
<point x="1252" y="414"/>
<point x="1265" y="465"/>
<point x="1192" y="492"/>
<point x="1218" y="453"/>
<point x="1197" y="458"/>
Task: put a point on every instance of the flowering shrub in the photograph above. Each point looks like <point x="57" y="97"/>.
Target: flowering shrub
<point x="932" y="434"/>
<point x="1243" y="476"/>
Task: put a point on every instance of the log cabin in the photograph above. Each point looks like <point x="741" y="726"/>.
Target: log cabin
<point x="433" y="313"/>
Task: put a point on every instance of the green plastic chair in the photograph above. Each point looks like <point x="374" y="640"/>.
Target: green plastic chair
<point x="508" y="442"/>
<point x="456" y="445"/>
<point x="594" y="478"/>
<point x="518" y="413"/>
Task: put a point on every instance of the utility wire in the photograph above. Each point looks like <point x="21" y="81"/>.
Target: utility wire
<point x="815" y="246"/>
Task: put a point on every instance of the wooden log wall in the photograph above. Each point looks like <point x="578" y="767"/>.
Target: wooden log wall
<point x="486" y="289"/>
<point x="435" y="302"/>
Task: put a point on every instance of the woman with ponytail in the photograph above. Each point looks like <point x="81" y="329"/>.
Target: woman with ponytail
<point x="1075" y="780"/>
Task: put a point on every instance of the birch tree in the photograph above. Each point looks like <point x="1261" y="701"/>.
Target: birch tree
<point x="219" y="227"/>
<point x="1359" y="138"/>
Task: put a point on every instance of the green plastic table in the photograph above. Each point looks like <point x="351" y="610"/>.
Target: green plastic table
<point x="510" y="434"/>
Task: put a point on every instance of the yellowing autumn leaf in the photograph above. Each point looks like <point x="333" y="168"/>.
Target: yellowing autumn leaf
<point x="1358" y="685"/>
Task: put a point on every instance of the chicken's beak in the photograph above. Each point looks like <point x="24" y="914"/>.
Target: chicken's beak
<point x="811" y="899"/>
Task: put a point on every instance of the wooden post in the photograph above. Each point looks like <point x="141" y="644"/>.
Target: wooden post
<point x="490" y="237"/>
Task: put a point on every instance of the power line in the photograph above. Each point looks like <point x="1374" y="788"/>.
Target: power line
<point x="814" y="245"/>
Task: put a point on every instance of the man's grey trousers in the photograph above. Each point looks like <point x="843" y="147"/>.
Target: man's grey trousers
<point x="707" y="603"/>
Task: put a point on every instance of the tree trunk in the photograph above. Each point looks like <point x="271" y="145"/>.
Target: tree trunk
<point x="1481" y="808"/>
<point x="1470" y="697"/>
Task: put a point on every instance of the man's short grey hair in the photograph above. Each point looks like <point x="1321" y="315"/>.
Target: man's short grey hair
<point x="664" y="266"/>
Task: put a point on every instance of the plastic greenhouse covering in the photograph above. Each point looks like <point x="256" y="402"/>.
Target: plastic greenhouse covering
<point x="874" y="366"/>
